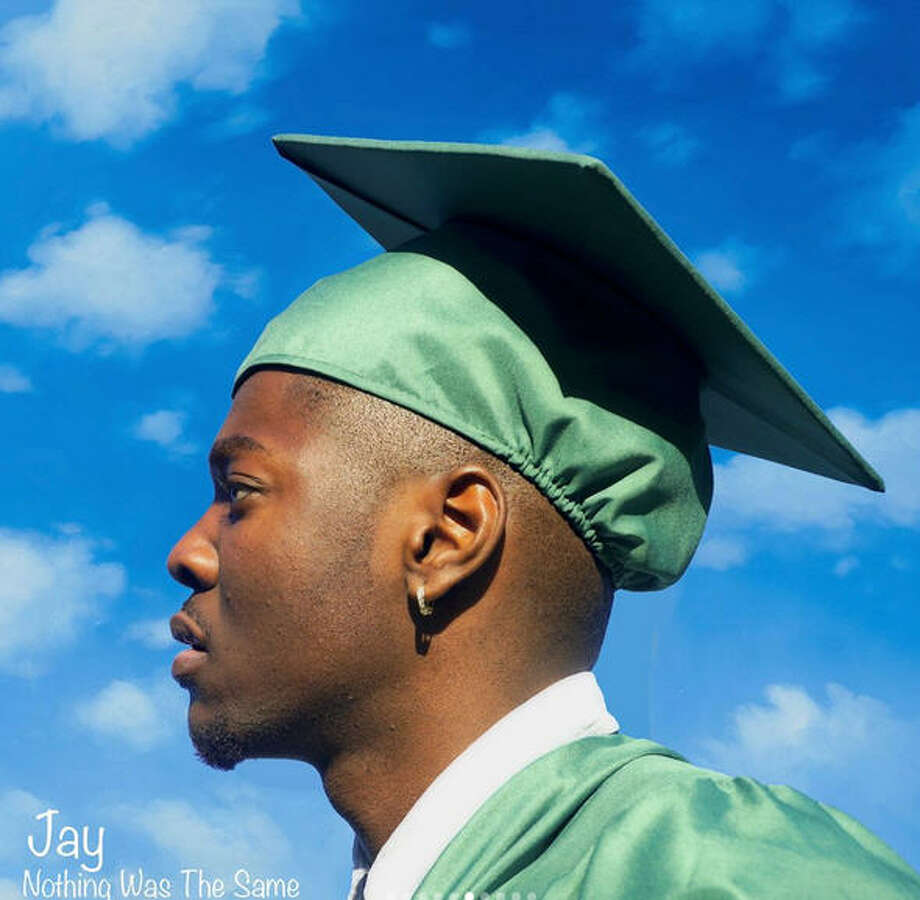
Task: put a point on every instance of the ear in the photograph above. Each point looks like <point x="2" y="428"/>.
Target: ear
<point x="460" y="522"/>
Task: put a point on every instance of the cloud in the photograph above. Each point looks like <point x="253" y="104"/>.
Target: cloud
<point x="50" y="588"/>
<point x="729" y="267"/>
<point x="754" y="496"/>
<point x="845" y="565"/>
<point x="243" y="120"/>
<point x="111" y="284"/>
<point x="568" y="123"/>
<point x="219" y="837"/>
<point x="754" y="492"/>
<point x="165" y="427"/>
<point x="792" y="38"/>
<point x="882" y="203"/>
<point x="18" y="809"/>
<point x="127" y="712"/>
<point x="153" y="633"/>
<point x="12" y="381"/>
<point x="670" y="143"/>
<point x="721" y="553"/>
<point x="812" y="28"/>
<point x="112" y="70"/>
<point x="448" y="35"/>
<point x="850" y="750"/>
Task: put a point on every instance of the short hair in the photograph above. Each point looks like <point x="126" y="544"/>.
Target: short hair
<point x="567" y="590"/>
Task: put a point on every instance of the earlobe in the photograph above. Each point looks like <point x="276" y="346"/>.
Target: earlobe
<point x="465" y="522"/>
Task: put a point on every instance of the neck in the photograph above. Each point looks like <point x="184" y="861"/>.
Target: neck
<point x="376" y="780"/>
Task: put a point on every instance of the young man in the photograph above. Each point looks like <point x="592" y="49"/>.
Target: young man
<point x="437" y="468"/>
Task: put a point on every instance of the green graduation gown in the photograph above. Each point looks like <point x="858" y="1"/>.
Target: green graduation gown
<point x="614" y="817"/>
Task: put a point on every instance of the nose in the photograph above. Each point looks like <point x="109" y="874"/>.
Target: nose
<point x="193" y="561"/>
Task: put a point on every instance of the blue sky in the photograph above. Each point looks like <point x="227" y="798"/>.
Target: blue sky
<point x="149" y="231"/>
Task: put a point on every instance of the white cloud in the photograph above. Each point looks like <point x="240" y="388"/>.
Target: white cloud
<point x="109" y="69"/>
<point x="219" y="837"/>
<point x="540" y="138"/>
<point x="568" y="124"/>
<point x="111" y="283"/>
<point x="17" y="818"/>
<point x="753" y="497"/>
<point x="882" y="178"/>
<point x="729" y="267"/>
<point x="12" y="381"/>
<point x="50" y="588"/>
<point x="721" y="269"/>
<point x="849" y="750"/>
<point x="9" y="890"/>
<point x="721" y="553"/>
<point x="448" y="35"/>
<point x="670" y="143"/>
<point x="165" y="427"/>
<point x="845" y="565"/>
<point x="754" y="492"/>
<point x="153" y="633"/>
<point x="790" y="36"/>
<point x="125" y="711"/>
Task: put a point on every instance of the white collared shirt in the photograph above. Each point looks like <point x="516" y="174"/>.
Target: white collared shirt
<point x="567" y="710"/>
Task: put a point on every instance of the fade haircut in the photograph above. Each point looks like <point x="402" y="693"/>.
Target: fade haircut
<point x="567" y="591"/>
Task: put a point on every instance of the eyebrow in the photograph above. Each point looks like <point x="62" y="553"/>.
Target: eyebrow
<point x="226" y="448"/>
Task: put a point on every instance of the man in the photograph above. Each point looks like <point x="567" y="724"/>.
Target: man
<point x="436" y="469"/>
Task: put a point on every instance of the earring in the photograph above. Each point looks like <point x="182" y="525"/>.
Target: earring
<point x="424" y="607"/>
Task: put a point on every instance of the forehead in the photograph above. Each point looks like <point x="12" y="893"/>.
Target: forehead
<point x="265" y="412"/>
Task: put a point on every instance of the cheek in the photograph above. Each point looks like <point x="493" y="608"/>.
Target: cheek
<point x="285" y="571"/>
<point x="257" y="575"/>
<point x="310" y="569"/>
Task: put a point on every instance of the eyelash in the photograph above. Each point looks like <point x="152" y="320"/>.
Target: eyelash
<point x="226" y="490"/>
<point x="238" y="485"/>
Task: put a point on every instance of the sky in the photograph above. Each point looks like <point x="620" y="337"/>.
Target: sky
<point x="149" y="231"/>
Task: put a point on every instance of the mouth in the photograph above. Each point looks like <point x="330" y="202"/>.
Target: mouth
<point x="187" y="631"/>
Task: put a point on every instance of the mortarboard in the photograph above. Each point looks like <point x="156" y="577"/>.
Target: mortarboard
<point x="529" y="303"/>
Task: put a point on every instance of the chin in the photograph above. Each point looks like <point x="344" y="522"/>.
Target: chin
<point x="217" y="745"/>
<point x="223" y="741"/>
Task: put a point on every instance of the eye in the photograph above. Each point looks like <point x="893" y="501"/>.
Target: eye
<point x="237" y="491"/>
<point x="232" y="491"/>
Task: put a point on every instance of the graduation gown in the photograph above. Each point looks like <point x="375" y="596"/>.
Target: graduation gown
<point x="614" y="817"/>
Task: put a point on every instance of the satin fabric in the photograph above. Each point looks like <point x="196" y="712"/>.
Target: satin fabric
<point x="617" y="818"/>
<point x="413" y="326"/>
<point x="567" y="710"/>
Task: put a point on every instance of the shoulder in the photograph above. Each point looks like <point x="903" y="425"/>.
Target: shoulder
<point x="662" y="824"/>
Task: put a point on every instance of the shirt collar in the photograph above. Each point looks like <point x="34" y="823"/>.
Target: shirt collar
<point x="567" y="710"/>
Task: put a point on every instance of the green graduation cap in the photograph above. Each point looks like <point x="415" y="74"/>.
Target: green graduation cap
<point x="528" y="302"/>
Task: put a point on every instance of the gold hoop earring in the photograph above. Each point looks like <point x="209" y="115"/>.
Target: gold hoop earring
<point x="424" y="607"/>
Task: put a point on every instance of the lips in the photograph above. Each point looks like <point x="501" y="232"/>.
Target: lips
<point x="187" y="631"/>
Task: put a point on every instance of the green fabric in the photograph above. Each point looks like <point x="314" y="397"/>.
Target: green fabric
<point x="575" y="206"/>
<point x="612" y="818"/>
<point x="424" y="327"/>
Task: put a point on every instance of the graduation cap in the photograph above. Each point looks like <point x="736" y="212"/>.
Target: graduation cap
<point x="528" y="302"/>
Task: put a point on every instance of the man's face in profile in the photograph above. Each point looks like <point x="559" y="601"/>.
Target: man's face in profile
<point x="288" y="618"/>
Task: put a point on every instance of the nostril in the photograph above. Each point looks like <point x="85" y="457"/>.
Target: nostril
<point x="185" y="575"/>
